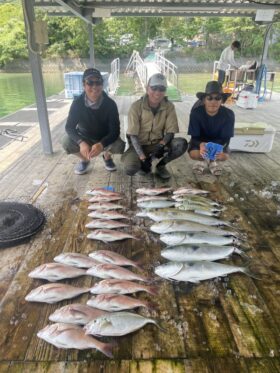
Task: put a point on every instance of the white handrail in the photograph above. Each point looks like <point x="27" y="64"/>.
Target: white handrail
<point x="137" y="64"/>
<point x="114" y="77"/>
<point x="167" y="68"/>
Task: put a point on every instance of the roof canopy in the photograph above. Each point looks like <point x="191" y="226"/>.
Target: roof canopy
<point x="89" y="10"/>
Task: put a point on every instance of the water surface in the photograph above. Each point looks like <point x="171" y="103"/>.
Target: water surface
<point x="16" y="90"/>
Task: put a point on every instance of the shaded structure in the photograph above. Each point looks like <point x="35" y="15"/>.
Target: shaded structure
<point x="93" y="11"/>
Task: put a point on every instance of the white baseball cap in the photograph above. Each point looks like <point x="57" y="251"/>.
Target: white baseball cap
<point x="157" y="80"/>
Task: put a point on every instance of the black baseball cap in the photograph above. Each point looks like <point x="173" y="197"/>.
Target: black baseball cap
<point x="92" y="73"/>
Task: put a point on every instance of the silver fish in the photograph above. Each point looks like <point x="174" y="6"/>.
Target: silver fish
<point x="155" y="204"/>
<point x="106" y="224"/>
<point x="184" y="190"/>
<point x="173" y="214"/>
<point x="115" y="286"/>
<point x="108" y="235"/>
<point x="116" y="302"/>
<point x="169" y="226"/>
<point x="151" y="198"/>
<point x="111" y="257"/>
<point x="153" y="191"/>
<point x="106" y="198"/>
<point x="197" y="209"/>
<point x="142" y="213"/>
<point x="52" y="293"/>
<point x="177" y="238"/>
<point x="187" y="204"/>
<point x="196" y="271"/>
<point x="56" y="271"/>
<point x="76" y="313"/>
<point x="110" y="214"/>
<point x="117" y="324"/>
<point x="114" y="271"/>
<point x="104" y="206"/>
<point x="190" y="199"/>
<point x="72" y="336"/>
<point x="102" y="192"/>
<point x="75" y="259"/>
<point x="190" y="253"/>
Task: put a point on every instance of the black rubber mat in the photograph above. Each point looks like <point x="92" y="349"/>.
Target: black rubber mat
<point x="18" y="222"/>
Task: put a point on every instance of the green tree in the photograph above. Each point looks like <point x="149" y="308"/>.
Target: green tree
<point x="12" y="34"/>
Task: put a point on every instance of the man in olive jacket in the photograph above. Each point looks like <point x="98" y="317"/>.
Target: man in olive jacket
<point x="152" y="124"/>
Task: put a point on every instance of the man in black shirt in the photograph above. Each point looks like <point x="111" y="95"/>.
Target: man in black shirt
<point x="93" y="125"/>
<point x="210" y="122"/>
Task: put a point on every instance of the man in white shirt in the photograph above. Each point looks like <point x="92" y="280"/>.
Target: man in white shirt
<point x="227" y="58"/>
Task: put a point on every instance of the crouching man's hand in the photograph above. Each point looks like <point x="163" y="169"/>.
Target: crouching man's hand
<point x="146" y="165"/>
<point x="202" y="150"/>
<point x="96" y="149"/>
<point x="85" y="149"/>
<point x="222" y="156"/>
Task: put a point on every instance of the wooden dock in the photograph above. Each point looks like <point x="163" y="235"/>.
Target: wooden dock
<point x="224" y="325"/>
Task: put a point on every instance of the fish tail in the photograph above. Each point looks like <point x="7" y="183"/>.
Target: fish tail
<point x="138" y="264"/>
<point x="242" y="253"/>
<point x="160" y="327"/>
<point x="249" y="273"/>
<point x="107" y="349"/>
<point x="151" y="306"/>
<point x="153" y="290"/>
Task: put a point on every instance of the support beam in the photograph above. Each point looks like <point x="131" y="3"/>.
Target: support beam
<point x="91" y="46"/>
<point x="37" y="76"/>
<point x="78" y="11"/>
<point x="181" y="5"/>
<point x="180" y="14"/>
<point x="266" y="43"/>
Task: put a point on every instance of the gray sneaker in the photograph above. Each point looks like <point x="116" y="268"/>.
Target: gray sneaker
<point x="82" y="167"/>
<point x="109" y="164"/>
<point x="162" y="172"/>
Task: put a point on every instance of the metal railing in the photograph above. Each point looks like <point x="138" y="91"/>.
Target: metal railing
<point x="114" y="77"/>
<point x="167" y="68"/>
<point x="137" y="64"/>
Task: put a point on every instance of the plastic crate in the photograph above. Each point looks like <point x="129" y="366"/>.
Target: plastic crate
<point x="73" y="82"/>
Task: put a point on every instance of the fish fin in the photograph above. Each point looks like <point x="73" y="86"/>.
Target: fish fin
<point x="194" y="281"/>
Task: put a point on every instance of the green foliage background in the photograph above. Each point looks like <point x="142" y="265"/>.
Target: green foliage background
<point x="68" y="37"/>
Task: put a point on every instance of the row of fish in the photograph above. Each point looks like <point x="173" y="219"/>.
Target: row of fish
<point x="103" y="314"/>
<point x="101" y="263"/>
<point x="194" y="241"/>
<point x="104" y="214"/>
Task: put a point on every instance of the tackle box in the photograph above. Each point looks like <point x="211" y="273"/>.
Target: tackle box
<point x="252" y="137"/>
<point x="247" y="100"/>
<point x="73" y="82"/>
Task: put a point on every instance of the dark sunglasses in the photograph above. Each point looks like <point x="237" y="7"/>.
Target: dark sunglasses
<point x="159" y="88"/>
<point x="92" y="83"/>
<point x="216" y="98"/>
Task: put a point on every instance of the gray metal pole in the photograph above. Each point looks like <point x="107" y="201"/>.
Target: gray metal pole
<point x="91" y="46"/>
<point x="36" y="70"/>
<point x="266" y="42"/>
